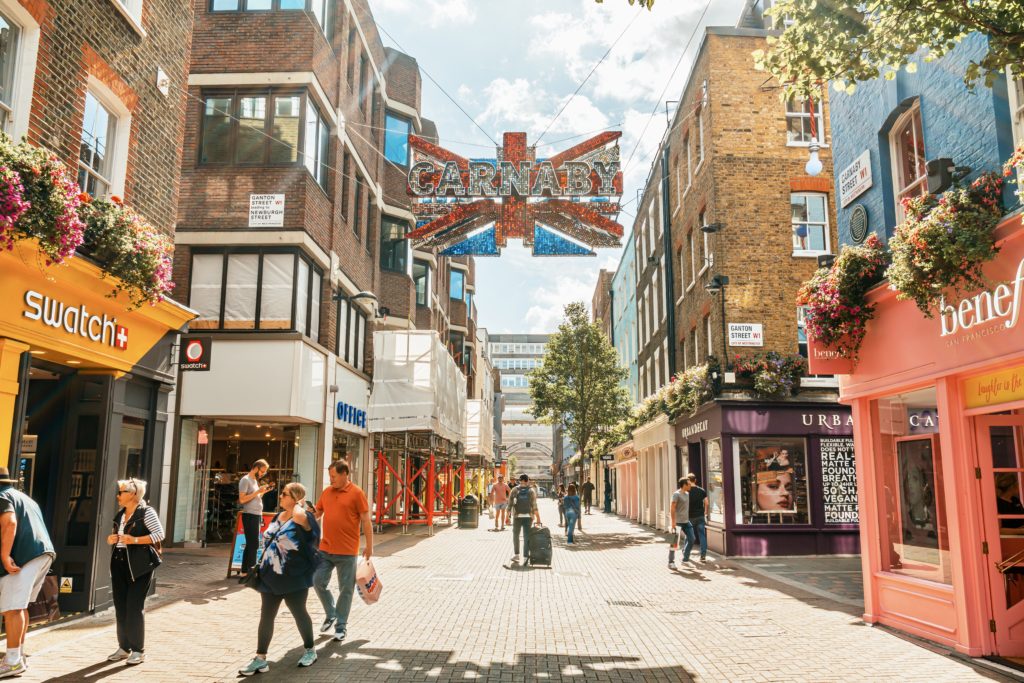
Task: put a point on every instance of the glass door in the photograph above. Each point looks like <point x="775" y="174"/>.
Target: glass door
<point x="1000" y="440"/>
<point x="190" y="509"/>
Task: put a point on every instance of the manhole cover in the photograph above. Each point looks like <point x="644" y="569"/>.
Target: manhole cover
<point x="624" y="603"/>
<point x="412" y="566"/>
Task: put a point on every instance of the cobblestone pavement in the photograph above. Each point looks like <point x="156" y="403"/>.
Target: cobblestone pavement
<point x="838" y="578"/>
<point x="608" y="610"/>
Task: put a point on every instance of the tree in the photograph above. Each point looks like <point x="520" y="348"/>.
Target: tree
<point x="643" y="3"/>
<point x="845" y="41"/>
<point x="578" y="385"/>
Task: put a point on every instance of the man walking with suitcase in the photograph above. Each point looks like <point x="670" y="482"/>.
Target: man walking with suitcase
<point x="522" y="507"/>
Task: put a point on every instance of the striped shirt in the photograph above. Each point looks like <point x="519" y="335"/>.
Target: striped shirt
<point x="152" y="522"/>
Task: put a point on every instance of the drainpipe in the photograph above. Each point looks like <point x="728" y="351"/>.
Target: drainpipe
<point x="669" y="279"/>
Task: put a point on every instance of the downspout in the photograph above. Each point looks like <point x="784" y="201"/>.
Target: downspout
<point x="669" y="280"/>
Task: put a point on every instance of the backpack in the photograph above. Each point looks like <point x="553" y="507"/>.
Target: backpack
<point x="523" y="506"/>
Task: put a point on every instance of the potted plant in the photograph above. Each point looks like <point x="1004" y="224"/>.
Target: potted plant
<point x="774" y="375"/>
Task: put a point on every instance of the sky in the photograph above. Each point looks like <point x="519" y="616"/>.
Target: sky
<point x="512" y="65"/>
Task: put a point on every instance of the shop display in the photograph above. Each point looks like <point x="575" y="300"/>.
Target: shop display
<point x="773" y="481"/>
<point x="839" y="480"/>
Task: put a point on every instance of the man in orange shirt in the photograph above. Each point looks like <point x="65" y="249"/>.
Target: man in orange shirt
<point x="341" y="510"/>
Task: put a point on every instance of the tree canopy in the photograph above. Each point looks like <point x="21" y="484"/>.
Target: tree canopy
<point x="643" y="3"/>
<point x="845" y="41"/>
<point x="578" y="384"/>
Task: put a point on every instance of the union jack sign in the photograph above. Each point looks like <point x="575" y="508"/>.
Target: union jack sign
<point x="561" y="206"/>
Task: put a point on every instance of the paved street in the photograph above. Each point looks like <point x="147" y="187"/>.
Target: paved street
<point x="609" y="610"/>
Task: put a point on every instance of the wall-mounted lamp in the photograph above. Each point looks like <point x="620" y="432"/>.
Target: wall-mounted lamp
<point x="712" y="227"/>
<point x="715" y="284"/>
<point x="826" y="260"/>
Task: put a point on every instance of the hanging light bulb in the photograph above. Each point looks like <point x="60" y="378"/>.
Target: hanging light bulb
<point x="813" y="166"/>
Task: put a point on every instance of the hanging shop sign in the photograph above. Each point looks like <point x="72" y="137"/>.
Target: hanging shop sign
<point x="746" y="334"/>
<point x="559" y="206"/>
<point x="855" y="179"/>
<point x="839" y="480"/>
<point x="608" y="457"/>
<point x="266" y="211"/>
<point x="194" y="354"/>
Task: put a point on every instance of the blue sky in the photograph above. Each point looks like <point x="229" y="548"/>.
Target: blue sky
<point x="512" y="64"/>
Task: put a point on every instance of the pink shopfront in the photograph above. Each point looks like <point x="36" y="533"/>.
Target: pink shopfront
<point x="938" y="412"/>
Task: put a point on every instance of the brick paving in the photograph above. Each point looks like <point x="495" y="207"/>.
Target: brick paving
<point x="608" y="610"/>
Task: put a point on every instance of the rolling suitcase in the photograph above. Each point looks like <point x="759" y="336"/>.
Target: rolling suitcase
<point x="540" y="546"/>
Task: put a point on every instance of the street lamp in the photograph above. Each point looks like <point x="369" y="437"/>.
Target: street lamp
<point x="717" y="285"/>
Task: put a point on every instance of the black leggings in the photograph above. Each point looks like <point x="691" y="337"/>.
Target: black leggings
<point x="129" y="601"/>
<point x="296" y="603"/>
<point x="251" y="529"/>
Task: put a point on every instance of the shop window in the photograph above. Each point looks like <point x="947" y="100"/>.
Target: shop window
<point x="95" y="158"/>
<point x="914" y="536"/>
<point x="798" y="122"/>
<point x="396" y="139"/>
<point x="351" y="333"/>
<point x="394" y="248"/>
<point x="715" y="480"/>
<point x="276" y="299"/>
<point x="772" y="481"/>
<point x="421" y="277"/>
<point x="906" y="144"/>
<point x="457" y="284"/>
<point x="240" y="291"/>
<point x="809" y="218"/>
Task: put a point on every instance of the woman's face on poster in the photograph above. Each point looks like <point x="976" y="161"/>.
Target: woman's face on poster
<point x="776" y="494"/>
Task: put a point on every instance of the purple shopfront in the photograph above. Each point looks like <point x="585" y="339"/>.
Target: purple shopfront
<point x="781" y="480"/>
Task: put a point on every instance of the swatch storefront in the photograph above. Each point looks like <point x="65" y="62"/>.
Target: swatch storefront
<point x="938" y="407"/>
<point x="780" y="478"/>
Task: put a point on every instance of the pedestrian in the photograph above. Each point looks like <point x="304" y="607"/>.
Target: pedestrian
<point x="135" y="553"/>
<point x="588" y="495"/>
<point x="286" y="575"/>
<point x="572" y="512"/>
<point x="680" y="513"/>
<point x="499" y="499"/>
<point x="561" y="504"/>
<point x="250" y="495"/>
<point x="26" y="554"/>
<point x="699" y="512"/>
<point x="342" y="510"/>
<point x="523" y="505"/>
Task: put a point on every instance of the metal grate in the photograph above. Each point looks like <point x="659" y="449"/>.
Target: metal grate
<point x="624" y="603"/>
<point x="412" y="566"/>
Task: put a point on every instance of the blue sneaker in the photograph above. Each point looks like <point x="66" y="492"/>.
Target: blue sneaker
<point x="308" y="657"/>
<point x="256" y="666"/>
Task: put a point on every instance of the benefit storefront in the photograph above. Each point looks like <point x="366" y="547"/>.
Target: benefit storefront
<point x="780" y="476"/>
<point x="938" y="409"/>
<point x="84" y="386"/>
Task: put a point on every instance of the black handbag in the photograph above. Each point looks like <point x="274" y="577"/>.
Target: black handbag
<point x="45" y="608"/>
<point x="252" y="579"/>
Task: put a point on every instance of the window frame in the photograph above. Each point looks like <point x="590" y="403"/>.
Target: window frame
<point x="391" y="114"/>
<point x="426" y="282"/>
<point x="120" y="134"/>
<point x="106" y="174"/>
<point x="805" y="115"/>
<point x="462" y="294"/>
<point x="810" y="253"/>
<point x="327" y="27"/>
<point x="700" y="137"/>
<point x="389" y="250"/>
<point x="688" y="144"/>
<point x="914" y="115"/>
<point x="692" y="243"/>
<point x="709" y="258"/>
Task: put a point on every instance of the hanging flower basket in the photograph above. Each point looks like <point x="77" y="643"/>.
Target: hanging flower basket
<point x="945" y="242"/>
<point x="774" y="375"/>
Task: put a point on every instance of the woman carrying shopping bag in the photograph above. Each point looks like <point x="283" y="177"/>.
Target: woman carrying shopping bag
<point x="135" y="554"/>
<point x="285" y="574"/>
<point x="572" y="512"/>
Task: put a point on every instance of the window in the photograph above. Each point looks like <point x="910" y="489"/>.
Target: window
<point x="363" y="92"/>
<point x="692" y="245"/>
<point x="682" y="272"/>
<point x="133" y="8"/>
<point x="350" y="66"/>
<point x="798" y="122"/>
<point x="689" y="160"/>
<point x="351" y="333"/>
<point x="215" y="147"/>
<point x="696" y="345"/>
<point x="317" y="146"/>
<point x="915" y="541"/>
<point x="10" y="45"/>
<point x="469" y="304"/>
<point x="346" y="182"/>
<point x="657" y="301"/>
<point x="394" y="249"/>
<point x="396" y="139"/>
<point x="772" y="482"/>
<point x="700" y="136"/>
<point x="801" y="330"/>
<point x="457" y="289"/>
<point x="320" y="9"/>
<point x="709" y="258"/>
<point x="682" y="351"/>
<point x="707" y="329"/>
<point x="421" y="278"/>
<point x="256" y="290"/>
<point x="906" y="143"/>
<point x="810" y="223"/>
<point x="715" y="480"/>
<point x="357" y="214"/>
<point x="457" y="348"/>
<point x="96" y="152"/>
<point x="1017" y="104"/>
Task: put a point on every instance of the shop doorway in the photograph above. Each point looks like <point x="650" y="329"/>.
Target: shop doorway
<point x="1000" y="442"/>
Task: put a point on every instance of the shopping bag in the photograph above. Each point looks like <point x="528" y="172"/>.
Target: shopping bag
<point x="45" y="607"/>
<point x="368" y="582"/>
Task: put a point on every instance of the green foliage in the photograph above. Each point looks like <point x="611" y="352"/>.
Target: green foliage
<point x="846" y="41"/>
<point x="945" y="241"/>
<point x="775" y="375"/>
<point x="649" y="4"/>
<point x="578" y="384"/>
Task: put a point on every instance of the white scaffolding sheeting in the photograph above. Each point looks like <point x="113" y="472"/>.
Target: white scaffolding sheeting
<point x="480" y="427"/>
<point x="416" y="386"/>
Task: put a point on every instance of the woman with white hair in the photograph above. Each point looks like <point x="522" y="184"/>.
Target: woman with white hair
<point x="135" y="554"/>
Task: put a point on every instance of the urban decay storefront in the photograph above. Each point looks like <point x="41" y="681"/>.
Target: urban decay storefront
<point x="84" y="385"/>
<point x="939" y="416"/>
<point x="780" y="478"/>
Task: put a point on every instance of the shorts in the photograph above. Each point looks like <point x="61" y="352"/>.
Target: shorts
<point x="17" y="590"/>
<point x="500" y="506"/>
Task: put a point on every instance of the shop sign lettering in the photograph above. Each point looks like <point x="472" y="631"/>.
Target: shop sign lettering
<point x="855" y="179"/>
<point x="76" y="320"/>
<point x="839" y="481"/>
<point x="1000" y="304"/>
<point x="505" y="179"/>
<point x="830" y="421"/>
<point x="746" y="334"/>
<point x="695" y="428"/>
<point x="1005" y="386"/>
<point x="352" y="415"/>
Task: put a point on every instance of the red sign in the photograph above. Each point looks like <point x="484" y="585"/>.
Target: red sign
<point x="822" y="360"/>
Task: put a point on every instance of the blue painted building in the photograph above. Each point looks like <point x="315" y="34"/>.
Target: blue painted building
<point x="624" y="317"/>
<point x="914" y="118"/>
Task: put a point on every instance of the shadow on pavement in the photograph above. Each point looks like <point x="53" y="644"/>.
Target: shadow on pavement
<point x="618" y="541"/>
<point x="355" y="662"/>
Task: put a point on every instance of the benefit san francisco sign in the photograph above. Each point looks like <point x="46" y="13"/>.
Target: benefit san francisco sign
<point x="560" y="206"/>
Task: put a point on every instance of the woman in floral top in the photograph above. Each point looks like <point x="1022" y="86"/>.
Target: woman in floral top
<point x="286" y="574"/>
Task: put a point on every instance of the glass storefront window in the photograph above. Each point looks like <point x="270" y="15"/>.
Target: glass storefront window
<point x="772" y="481"/>
<point x="914" y="537"/>
<point x="716" y="492"/>
<point x="350" y="448"/>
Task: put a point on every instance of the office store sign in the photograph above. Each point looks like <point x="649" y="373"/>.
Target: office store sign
<point x="972" y="315"/>
<point x="75" y="320"/>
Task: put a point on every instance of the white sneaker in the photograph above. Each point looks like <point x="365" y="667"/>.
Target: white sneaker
<point x="673" y="566"/>
<point x="704" y="559"/>
<point x="516" y="559"/>
<point x="135" y="658"/>
<point x="118" y="656"/>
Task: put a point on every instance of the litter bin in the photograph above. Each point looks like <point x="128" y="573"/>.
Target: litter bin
<point x="469" y="512"/>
